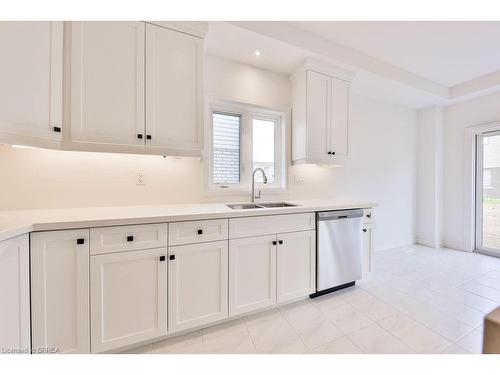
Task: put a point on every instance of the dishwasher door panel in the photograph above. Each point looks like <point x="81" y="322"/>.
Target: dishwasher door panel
<point x="339" y="252"/>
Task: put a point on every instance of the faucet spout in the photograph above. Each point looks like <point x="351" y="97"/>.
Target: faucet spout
<point x="253" y="182"/>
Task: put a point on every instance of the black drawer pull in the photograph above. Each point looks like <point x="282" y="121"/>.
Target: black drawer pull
<point x="57" y="129"/>
<point x="171" y="257"/>
<point x="139" y="136"/>
<point x="368" y="216"/>
<point x="148" y="136"/>
<point x="80" y="241"/>
<point x="274" y="242"/>
<point x="333" y="152"/>
<point x="130" y="238"/>
<point x="280" y="242"/>
<point x="200" y="231"/>
<point x="364" y="230"/>
<point x="162" y="258"/>
<point x="343" y="217"/>
<point x="329" y="152"/>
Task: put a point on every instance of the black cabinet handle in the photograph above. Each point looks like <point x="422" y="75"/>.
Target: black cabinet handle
<point x="369" y="215"/>
<point x="329" y="152"/>
<point x="364" y="230"/>
<point x="333" y="152"/>
<point x="162" y="258"/>
<point x="57" y="129"/>
<point x="200" y="231"/>
<point x="130" y="238"/>
<point x="80" y="241"/>
<point x="139" y="136"/>
<point x="280" y="242"/>
<point x="148" y="136"/>
<point x="171" y="257"/>
<point x="274" y="242"/>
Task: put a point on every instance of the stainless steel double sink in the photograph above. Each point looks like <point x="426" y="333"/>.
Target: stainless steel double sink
<point x="246" y="206"/>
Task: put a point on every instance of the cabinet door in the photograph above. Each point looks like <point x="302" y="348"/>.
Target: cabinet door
<point x="252" y="274"/>
<point x="107" y="82"/>
<point x="174" y="113"/>
<point x="31" y="78"/>
<point x="60" y="291"/>
<point x="296" y="264"/>
<point x="339" y="117"/>
<point x="129" y="294"/>
<point x="318" y="116"/>
<point x="197" y="284"/>
<point x="367" y="248"/>
<point x="14" y="294"/>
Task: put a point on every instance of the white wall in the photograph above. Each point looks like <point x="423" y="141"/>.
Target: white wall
<point x="429" y="176"/>
<point x="381" y="167"/>
<point x="456" y="118"/>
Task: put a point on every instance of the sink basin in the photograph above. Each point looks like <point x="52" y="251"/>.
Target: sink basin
<point x="243" y="206"/>
<point x="277" y="204"/>
<point x="246" y="206"/>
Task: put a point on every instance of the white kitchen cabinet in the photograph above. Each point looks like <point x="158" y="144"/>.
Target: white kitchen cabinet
<point x="367" y="248"/>
<point x="15" y="295"/>
<point x="107" y="83"/>
<point x="320" y="112"/>
<point x="187" y="232"/>
<point x="31" y="75"/>
<point x="128" y="298"/>
<point x="252" y="273"/>
<point x="174" y="91"/>
<point x="60" y="291"/>
<point x="197" y="284"/>
<point x="296" y="265"/>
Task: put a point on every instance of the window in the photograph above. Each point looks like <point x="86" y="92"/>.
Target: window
<point x="241" y="139"/>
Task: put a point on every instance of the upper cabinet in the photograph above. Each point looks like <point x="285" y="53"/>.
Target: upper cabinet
<point x="107" y="82"/>
<point x="174" y="83"/>
<point x="320" y="114"/>
<point x="136" y="87"/>
<point x="31" y="76"/>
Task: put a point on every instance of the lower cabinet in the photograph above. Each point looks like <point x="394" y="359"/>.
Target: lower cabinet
<point x="60" y="291"/>
<point x="252" y="273"/>
<point x="15" y="295"/>
<point x="197" y="284"/>
<point x="296" y="265"/>
<point x="367" y="248"/>
<point x="128" y="298"/>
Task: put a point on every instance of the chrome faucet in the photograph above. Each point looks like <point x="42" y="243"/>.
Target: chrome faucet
<point x="253" y="182"/>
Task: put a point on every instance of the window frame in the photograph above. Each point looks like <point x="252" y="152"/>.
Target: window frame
<point x="247" y="114"/>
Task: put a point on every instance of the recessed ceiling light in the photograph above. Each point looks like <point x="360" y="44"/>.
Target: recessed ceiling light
<point x="257" y="52"/>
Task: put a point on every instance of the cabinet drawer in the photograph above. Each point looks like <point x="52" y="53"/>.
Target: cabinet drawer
<point x="187" y="232"/>
<point x="126" y="238"/>
<point x="367" y="215"/>
<point x="263" y="225"/>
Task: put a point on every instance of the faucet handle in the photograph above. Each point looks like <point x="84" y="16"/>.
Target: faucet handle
<point x="259" y="196"/>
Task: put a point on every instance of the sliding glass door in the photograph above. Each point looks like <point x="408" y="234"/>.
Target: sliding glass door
<point x="488" y="192"/>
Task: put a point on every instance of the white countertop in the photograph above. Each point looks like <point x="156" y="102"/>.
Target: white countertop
<point x="18" y="222"/>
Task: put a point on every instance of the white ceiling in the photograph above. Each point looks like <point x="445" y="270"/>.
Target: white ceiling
<point x="448" y="53"/>
<point x="414" y="64"/>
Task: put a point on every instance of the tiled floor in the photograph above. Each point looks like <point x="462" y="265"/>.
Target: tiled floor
<point x="417" y="300"/>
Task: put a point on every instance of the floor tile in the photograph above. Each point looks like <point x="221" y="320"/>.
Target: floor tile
<point x="482" y="290"/>
<point x="191" y="343"/>
<point x="341" y="346"/>
<point x="472" y="342"/>
<point x="375" y="340"/>
<point x="415" y="335"/>
<point x="228" y="338"/>
<point x="454" y="349"/>
<point x="347" y="318"/>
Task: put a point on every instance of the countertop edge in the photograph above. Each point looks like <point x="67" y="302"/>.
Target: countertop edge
<point x="38" y="226"/>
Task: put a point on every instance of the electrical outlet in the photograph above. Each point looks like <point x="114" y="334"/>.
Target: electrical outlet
<point x="140" y="180"/>
<point x="299" y="180"/>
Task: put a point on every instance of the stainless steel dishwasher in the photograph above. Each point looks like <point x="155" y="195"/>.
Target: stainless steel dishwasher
<point x="339" y="250"/>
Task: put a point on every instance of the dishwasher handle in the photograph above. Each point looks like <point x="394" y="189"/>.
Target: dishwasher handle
<point x="340" y="215"/>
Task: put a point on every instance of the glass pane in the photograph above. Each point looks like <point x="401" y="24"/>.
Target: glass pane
<point x="226" y="148"/>
<point x="491" y="192"/>
<point x="263" y="149"/>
